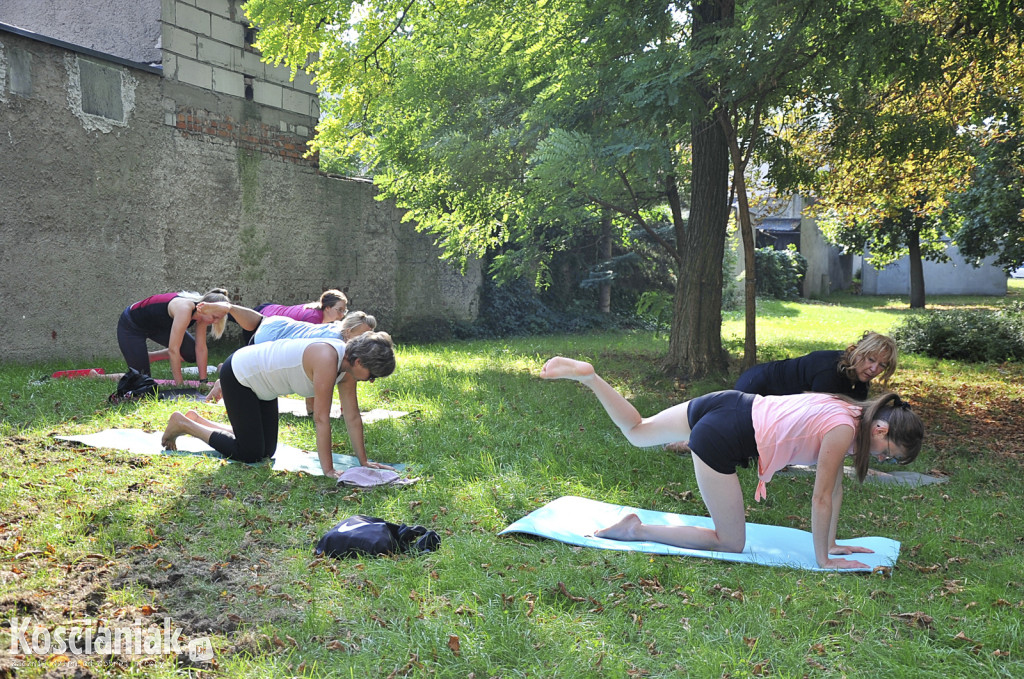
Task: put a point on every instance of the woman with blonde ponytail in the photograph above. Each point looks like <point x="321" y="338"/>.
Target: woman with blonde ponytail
<point x="727" y="429"/>
<point x="166" y="319"/>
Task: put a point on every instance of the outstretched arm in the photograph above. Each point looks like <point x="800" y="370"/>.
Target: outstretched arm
<point x="667" y="426"/>
<point x="180" y="310"/>
<point x="353" y="419"/>
<point x="827" y="499"/>
<point x="244" y="316"/>
<point x="321" y="360"/>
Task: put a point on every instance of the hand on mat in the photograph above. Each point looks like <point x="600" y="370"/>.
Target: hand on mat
<point x="215" y="393"/>
<point x="843" y="563"/>
<point x="849" y="549"/>
<point x="378" y="465"/>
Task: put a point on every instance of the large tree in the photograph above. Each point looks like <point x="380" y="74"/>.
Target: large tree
<point x="508" y="126"/>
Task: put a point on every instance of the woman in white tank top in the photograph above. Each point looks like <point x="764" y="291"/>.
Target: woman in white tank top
<point x="253" y="377"/>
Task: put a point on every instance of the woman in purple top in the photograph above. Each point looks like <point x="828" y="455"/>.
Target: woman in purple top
<point x="165" y="319"/>
<point x="332" y="306"/>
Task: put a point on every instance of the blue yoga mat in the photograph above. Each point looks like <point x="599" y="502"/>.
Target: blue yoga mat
<point x="573" y="520"/>
<point x="287" y="458"/>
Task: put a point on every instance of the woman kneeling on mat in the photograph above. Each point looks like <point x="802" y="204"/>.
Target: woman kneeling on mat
<point x="727" y="429"/>
<point x="253" y="377"/>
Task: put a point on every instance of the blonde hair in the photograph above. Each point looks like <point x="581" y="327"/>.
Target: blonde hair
<point x="213" y="295"/>
<point x="872" y="343"/>
<point x="354" y="319"/>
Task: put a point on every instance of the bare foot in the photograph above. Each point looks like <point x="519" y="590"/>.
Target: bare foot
<point x="679" y="447"/>
<point x="175" y="428"/>
<point x="215" y="393"/>
<point x="626" y="529"/>
<point x="566" y="368"/>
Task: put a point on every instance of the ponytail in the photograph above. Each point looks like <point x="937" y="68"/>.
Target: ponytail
<point x="905" y="430"/>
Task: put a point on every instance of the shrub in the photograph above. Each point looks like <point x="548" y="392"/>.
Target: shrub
<point x="779" y="272"/>
<point x="964" y="334"/>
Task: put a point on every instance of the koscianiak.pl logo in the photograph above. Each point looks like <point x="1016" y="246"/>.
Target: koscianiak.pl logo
<point x="94" y="637"/>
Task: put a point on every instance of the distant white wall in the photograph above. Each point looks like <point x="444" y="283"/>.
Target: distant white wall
<point x="953" y="278"/>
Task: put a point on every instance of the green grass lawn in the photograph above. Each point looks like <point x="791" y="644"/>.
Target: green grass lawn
<point x="225" y="550"/>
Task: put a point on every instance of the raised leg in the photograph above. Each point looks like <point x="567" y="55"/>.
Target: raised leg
<point x="668" y="426"/>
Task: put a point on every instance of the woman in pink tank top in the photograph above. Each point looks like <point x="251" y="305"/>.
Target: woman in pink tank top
<point x="729" y="428"/>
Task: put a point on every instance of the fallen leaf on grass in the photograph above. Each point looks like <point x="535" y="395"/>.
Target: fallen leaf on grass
<point x="565" y="592"/>
<point x="27" y="554"/>
<point x="414" y="663"/>
<point x="453" y="643"/>
<point x="916" y="619"/>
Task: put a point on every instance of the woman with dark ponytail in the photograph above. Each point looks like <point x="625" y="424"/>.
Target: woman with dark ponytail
<point x="727" y="429"/>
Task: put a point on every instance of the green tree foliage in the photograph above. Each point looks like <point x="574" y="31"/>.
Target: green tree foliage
<point x="516" y="128"/>
<point x="893" y="151"/>
<point x="987" y="218"/>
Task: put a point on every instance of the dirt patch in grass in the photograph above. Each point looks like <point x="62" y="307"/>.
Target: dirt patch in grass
<point x="206" y="597"/>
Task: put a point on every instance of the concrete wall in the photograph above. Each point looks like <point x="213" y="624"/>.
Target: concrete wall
<point x="117" y="183"/>
<point x="828" y="270"/>
<point x="953" y="278"/>
<point x="129" y="29"/>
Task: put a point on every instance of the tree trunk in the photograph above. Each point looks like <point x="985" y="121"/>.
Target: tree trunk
<point x="750" y="272"/>
<point x="916" y="270"/>
<point x="604" y="303"/>
<point x="695" y="342"/>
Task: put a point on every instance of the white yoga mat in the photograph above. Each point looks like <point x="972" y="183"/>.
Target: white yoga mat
<point x="573" y="520"/>
<point x="286" y="459"/>
<point x="297" y="407"/>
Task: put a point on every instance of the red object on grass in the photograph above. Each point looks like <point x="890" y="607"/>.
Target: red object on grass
<point x="76" y="373"/>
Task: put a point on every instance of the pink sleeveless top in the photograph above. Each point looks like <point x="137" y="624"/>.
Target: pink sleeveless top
<point x="790" y="429"/>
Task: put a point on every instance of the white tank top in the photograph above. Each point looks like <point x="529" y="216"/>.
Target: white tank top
<point x="273" y="369"/>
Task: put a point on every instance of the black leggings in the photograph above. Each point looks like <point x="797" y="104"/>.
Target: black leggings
<point x="253" y="420"/>
<point x="132" y="341"/>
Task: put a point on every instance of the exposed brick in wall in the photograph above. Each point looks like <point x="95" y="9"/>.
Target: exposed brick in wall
<point x="253" y="135"/>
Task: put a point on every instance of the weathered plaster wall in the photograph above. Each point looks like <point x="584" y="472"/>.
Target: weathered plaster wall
<point x="129" y="29"/>
<point x="96" y="213"/>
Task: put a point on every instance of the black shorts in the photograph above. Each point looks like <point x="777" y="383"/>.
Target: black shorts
<point x="722" y="430"/>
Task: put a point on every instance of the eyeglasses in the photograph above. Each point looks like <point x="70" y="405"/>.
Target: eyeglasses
<point x="888" y="458"/>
